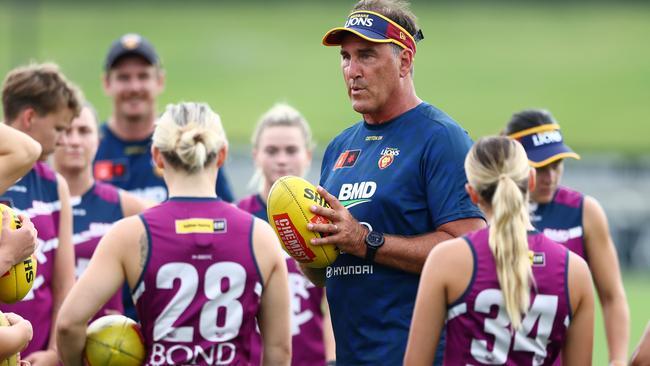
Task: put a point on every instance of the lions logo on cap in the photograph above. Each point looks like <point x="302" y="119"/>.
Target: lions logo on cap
<point x="131" y="41"/>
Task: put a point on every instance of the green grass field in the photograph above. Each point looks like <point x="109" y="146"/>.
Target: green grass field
<point x="637" y="288"/>
<point x="589" y="64"/>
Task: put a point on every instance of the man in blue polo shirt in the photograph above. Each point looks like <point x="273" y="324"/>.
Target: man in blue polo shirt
<point x="133" y="79"/>
<point x="395" y="183"/>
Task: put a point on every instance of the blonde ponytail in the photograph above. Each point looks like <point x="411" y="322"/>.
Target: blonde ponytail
<point x="509" y="244"/>
<point x="497" y="167"/>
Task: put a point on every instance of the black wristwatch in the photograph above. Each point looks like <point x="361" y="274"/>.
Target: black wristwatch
<point x="374" y="241"/>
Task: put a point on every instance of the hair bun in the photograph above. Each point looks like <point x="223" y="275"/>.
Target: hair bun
<point x="189" y="135"/>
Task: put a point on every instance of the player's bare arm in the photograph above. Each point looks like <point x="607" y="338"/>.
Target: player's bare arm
<point x="641" y="356"/>
<point x="132" y="205"/>
<point x="431" y="304"/>
<point x="18" y="153"/>
<point x="274" y="306"/>
<point x="104" y="276"/>
<point x="604" y="265"/>
<point x="578" y="346"/>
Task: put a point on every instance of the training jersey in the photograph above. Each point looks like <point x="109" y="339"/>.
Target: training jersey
<point x="199" y="293"/>
<point x="403" y="177"/>
<point x="93" y="215"/>
<point x="36" y="195"/>
<point x="254" y="205"/>
<point x="129" y="165"/>
<point x="478" y="326"/>
<point x="307" y="348"/>
<point x="561" y="219"/>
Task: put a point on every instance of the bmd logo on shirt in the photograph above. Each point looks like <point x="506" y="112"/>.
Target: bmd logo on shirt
<point x="354" y="194"/>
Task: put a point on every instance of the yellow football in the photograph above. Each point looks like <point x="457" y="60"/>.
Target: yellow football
<point x="16" y="283"/>
<point x="114" y="340"/>
<point x="13" y="359"/>
<point x="288" y="212"/>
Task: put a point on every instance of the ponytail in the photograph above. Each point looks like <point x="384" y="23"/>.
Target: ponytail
<point x="497" y="168"/>
<point x="509" y="244"/>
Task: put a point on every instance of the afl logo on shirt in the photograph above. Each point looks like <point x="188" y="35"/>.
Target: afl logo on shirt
<point x="387" y="157"/>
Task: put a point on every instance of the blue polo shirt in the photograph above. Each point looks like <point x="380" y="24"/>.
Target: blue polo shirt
<point x="129" y="165"/>
<point x="402" y="177"/>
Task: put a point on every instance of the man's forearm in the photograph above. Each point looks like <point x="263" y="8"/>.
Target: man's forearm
<point x="409" y="253"/>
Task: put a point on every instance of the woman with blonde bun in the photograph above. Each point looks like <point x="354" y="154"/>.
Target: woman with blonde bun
<point x="205" y="273"/>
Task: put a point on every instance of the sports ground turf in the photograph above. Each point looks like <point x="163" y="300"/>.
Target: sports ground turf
<point x="589" y="64"/>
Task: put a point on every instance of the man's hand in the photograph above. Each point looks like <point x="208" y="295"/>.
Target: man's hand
<point x="344" y="231"/>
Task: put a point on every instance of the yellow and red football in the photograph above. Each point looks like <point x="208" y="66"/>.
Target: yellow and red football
<point x="288" y="211"/>
<point x="114" y="340"/>
<point x="16" y="283"/>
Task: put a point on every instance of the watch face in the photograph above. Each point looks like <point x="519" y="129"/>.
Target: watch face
<point x="375" y="239"/>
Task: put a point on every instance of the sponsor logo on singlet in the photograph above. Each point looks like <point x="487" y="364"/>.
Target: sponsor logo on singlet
<point x="352" y="194"/>
<point x="218" y="354"/>
<point x="198" y="225"/>
<point x="563" y="235"/>
<point x="537" y="259"/>
<point x="17" y="188"/>
<point x="95" y="230"/>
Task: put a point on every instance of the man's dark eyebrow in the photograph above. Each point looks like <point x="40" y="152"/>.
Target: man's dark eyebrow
<point x="369" y="50"/>
<point x="363" y="51"/>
